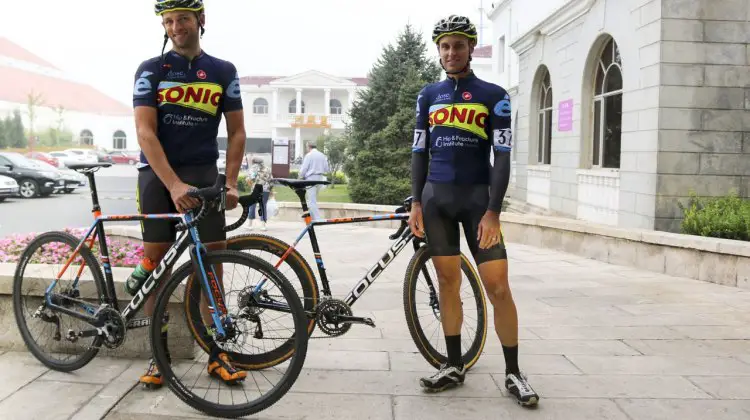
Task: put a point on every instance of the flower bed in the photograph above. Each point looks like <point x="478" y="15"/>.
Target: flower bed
<point x="121" y="253"/>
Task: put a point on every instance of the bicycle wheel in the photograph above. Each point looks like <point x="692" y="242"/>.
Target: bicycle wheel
<point x="427" y="298"/>
<point x="294" y="267"/>
<point x="176" y="352"/>
<point x="44" y="259"/>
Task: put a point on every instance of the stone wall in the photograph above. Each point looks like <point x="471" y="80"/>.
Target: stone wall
<point x="640" y="116"/>
<point x="703" y="103"/>
<point x="571" y="54"/>
<point x="714" y="260"/>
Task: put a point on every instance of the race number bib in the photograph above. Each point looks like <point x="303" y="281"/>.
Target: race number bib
<point x="420" y="137"/>
<point x="503" y="139"/>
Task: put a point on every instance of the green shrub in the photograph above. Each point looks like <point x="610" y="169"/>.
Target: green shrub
<point x="725" y="217"/>
<point x="293" y="174"/>
<point x="242" y="183"/>
<point x="338" y="179"/>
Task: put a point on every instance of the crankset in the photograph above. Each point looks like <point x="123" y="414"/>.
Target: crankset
<point x="334" y="317"/>
<point x="109" y="324"/>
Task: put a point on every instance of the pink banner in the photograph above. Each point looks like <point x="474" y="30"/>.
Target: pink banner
<point x="565" y="116"/>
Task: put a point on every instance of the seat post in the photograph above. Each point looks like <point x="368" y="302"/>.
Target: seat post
<point x="302" y="194"/>
<point x="94" y="195"/>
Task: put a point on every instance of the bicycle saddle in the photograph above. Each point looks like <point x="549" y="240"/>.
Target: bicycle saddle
<point x="299" y="183"/>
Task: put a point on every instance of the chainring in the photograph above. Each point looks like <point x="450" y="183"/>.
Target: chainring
<point x="112" y="327"/>
<point x="326" y="316"/>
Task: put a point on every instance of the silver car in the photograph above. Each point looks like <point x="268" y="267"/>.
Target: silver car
<point x="8" y="187"/>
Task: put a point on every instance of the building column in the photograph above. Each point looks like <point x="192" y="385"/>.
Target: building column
<point x="328" y="102"/>
<point x="297" y="143"/>
<point x="298" y="130"/>
<point x="274" y="133"/>
<point x="275" y="105"/>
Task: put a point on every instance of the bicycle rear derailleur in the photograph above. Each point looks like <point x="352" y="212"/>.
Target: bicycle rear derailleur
<point x="334" y="317"/>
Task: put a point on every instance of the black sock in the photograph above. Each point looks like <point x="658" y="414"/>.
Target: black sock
<point x="511" y="359"/>
<point x="453" y="343"/>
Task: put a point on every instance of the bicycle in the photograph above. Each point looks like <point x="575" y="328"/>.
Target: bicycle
<point x="109" y="325"/>
<point x="333" y="316"/>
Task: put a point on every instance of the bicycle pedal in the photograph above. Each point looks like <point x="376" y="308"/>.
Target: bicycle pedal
<point x="355" y="320"/>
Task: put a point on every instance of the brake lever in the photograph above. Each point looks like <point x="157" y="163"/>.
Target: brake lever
<point x="403" y="226"/>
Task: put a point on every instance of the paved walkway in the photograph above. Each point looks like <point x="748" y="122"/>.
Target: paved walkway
<point x="598" y="341"/>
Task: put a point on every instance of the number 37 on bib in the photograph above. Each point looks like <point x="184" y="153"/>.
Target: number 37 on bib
<point x="503" y="140"/>
<point x="420" y="137"/>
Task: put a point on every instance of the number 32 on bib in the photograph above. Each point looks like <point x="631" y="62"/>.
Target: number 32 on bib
<point x="503" y="140"/>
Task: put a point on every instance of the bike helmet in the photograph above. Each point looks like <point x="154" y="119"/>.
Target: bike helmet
<point x="162" y="6"/>
<point x="454" y="25"/>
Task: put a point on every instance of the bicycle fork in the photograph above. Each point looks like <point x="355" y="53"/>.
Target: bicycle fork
<point x="210" y="285"/>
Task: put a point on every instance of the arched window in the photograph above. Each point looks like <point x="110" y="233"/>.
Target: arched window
<point x="608" y="108"/>
<point x="260" y="106"/>
<point x="293" y="107"/>
<point x="119" y="140"/>
<point x="335" y="106"/>
<point x="544" y="135"/>
<point x="86" y="137"/>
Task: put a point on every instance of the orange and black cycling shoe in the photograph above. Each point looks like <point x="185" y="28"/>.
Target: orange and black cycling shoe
<point x="152" y="379"/>
<point x="220" y="367"/>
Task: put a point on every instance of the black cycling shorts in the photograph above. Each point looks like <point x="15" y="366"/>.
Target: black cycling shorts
<point x="153" y="197"/>
<point x="444" y="206"/>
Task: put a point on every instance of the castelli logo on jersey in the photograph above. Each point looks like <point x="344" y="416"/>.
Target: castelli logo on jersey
<point x="467" y="96"/>
<point x="467" y="117"/>
<point x="201" y="96"/>
<point x="201" y="74"/>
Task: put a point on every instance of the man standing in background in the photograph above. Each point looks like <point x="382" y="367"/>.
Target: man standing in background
<point x="314" y="167"/>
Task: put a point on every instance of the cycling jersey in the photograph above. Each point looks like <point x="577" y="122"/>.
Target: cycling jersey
<point x="457" y="122"/>
<point x="190" y="96"/>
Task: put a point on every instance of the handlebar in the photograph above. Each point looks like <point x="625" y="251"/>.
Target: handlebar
<point x="246" y="201"/>
<point x="215" y="196"/>
<point x="405" y="208"/>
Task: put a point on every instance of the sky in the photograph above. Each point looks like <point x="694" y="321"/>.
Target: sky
<point x="103" y="41"/>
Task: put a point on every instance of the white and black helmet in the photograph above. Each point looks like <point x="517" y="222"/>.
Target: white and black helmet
<point x="454" y="24"/>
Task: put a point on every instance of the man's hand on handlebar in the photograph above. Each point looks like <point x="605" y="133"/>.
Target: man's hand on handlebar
<point x="182" y="201"/>
<point x="232" y="197"/>
<point x="416" y="223"/>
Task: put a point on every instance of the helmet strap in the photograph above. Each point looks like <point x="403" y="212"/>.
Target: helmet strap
<point x="198" y="16"/>
<point x="164" y="45"/>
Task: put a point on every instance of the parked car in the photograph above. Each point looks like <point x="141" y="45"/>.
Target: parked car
<point x="103" y="156"/>
<point x="72" y="178"/>
<point x="88" y="155"/>
<point x="66" y="158"/>
<point x="119" y="156"/>
<point x="221" y="163"/>
<point x="44" y="157"/>
<point x="33" y="180"/>
<point x="8" y="187"/>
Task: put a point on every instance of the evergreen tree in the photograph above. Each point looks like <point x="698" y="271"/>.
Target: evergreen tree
<point x="14" y="130"/>
<point x="383" y="121"/>
<point x="3" y="138"/>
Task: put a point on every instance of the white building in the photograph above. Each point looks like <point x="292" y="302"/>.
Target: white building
<point x="624" y="107"/>
<point x="295" y="109"/>
<point x="93" y="117"/>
